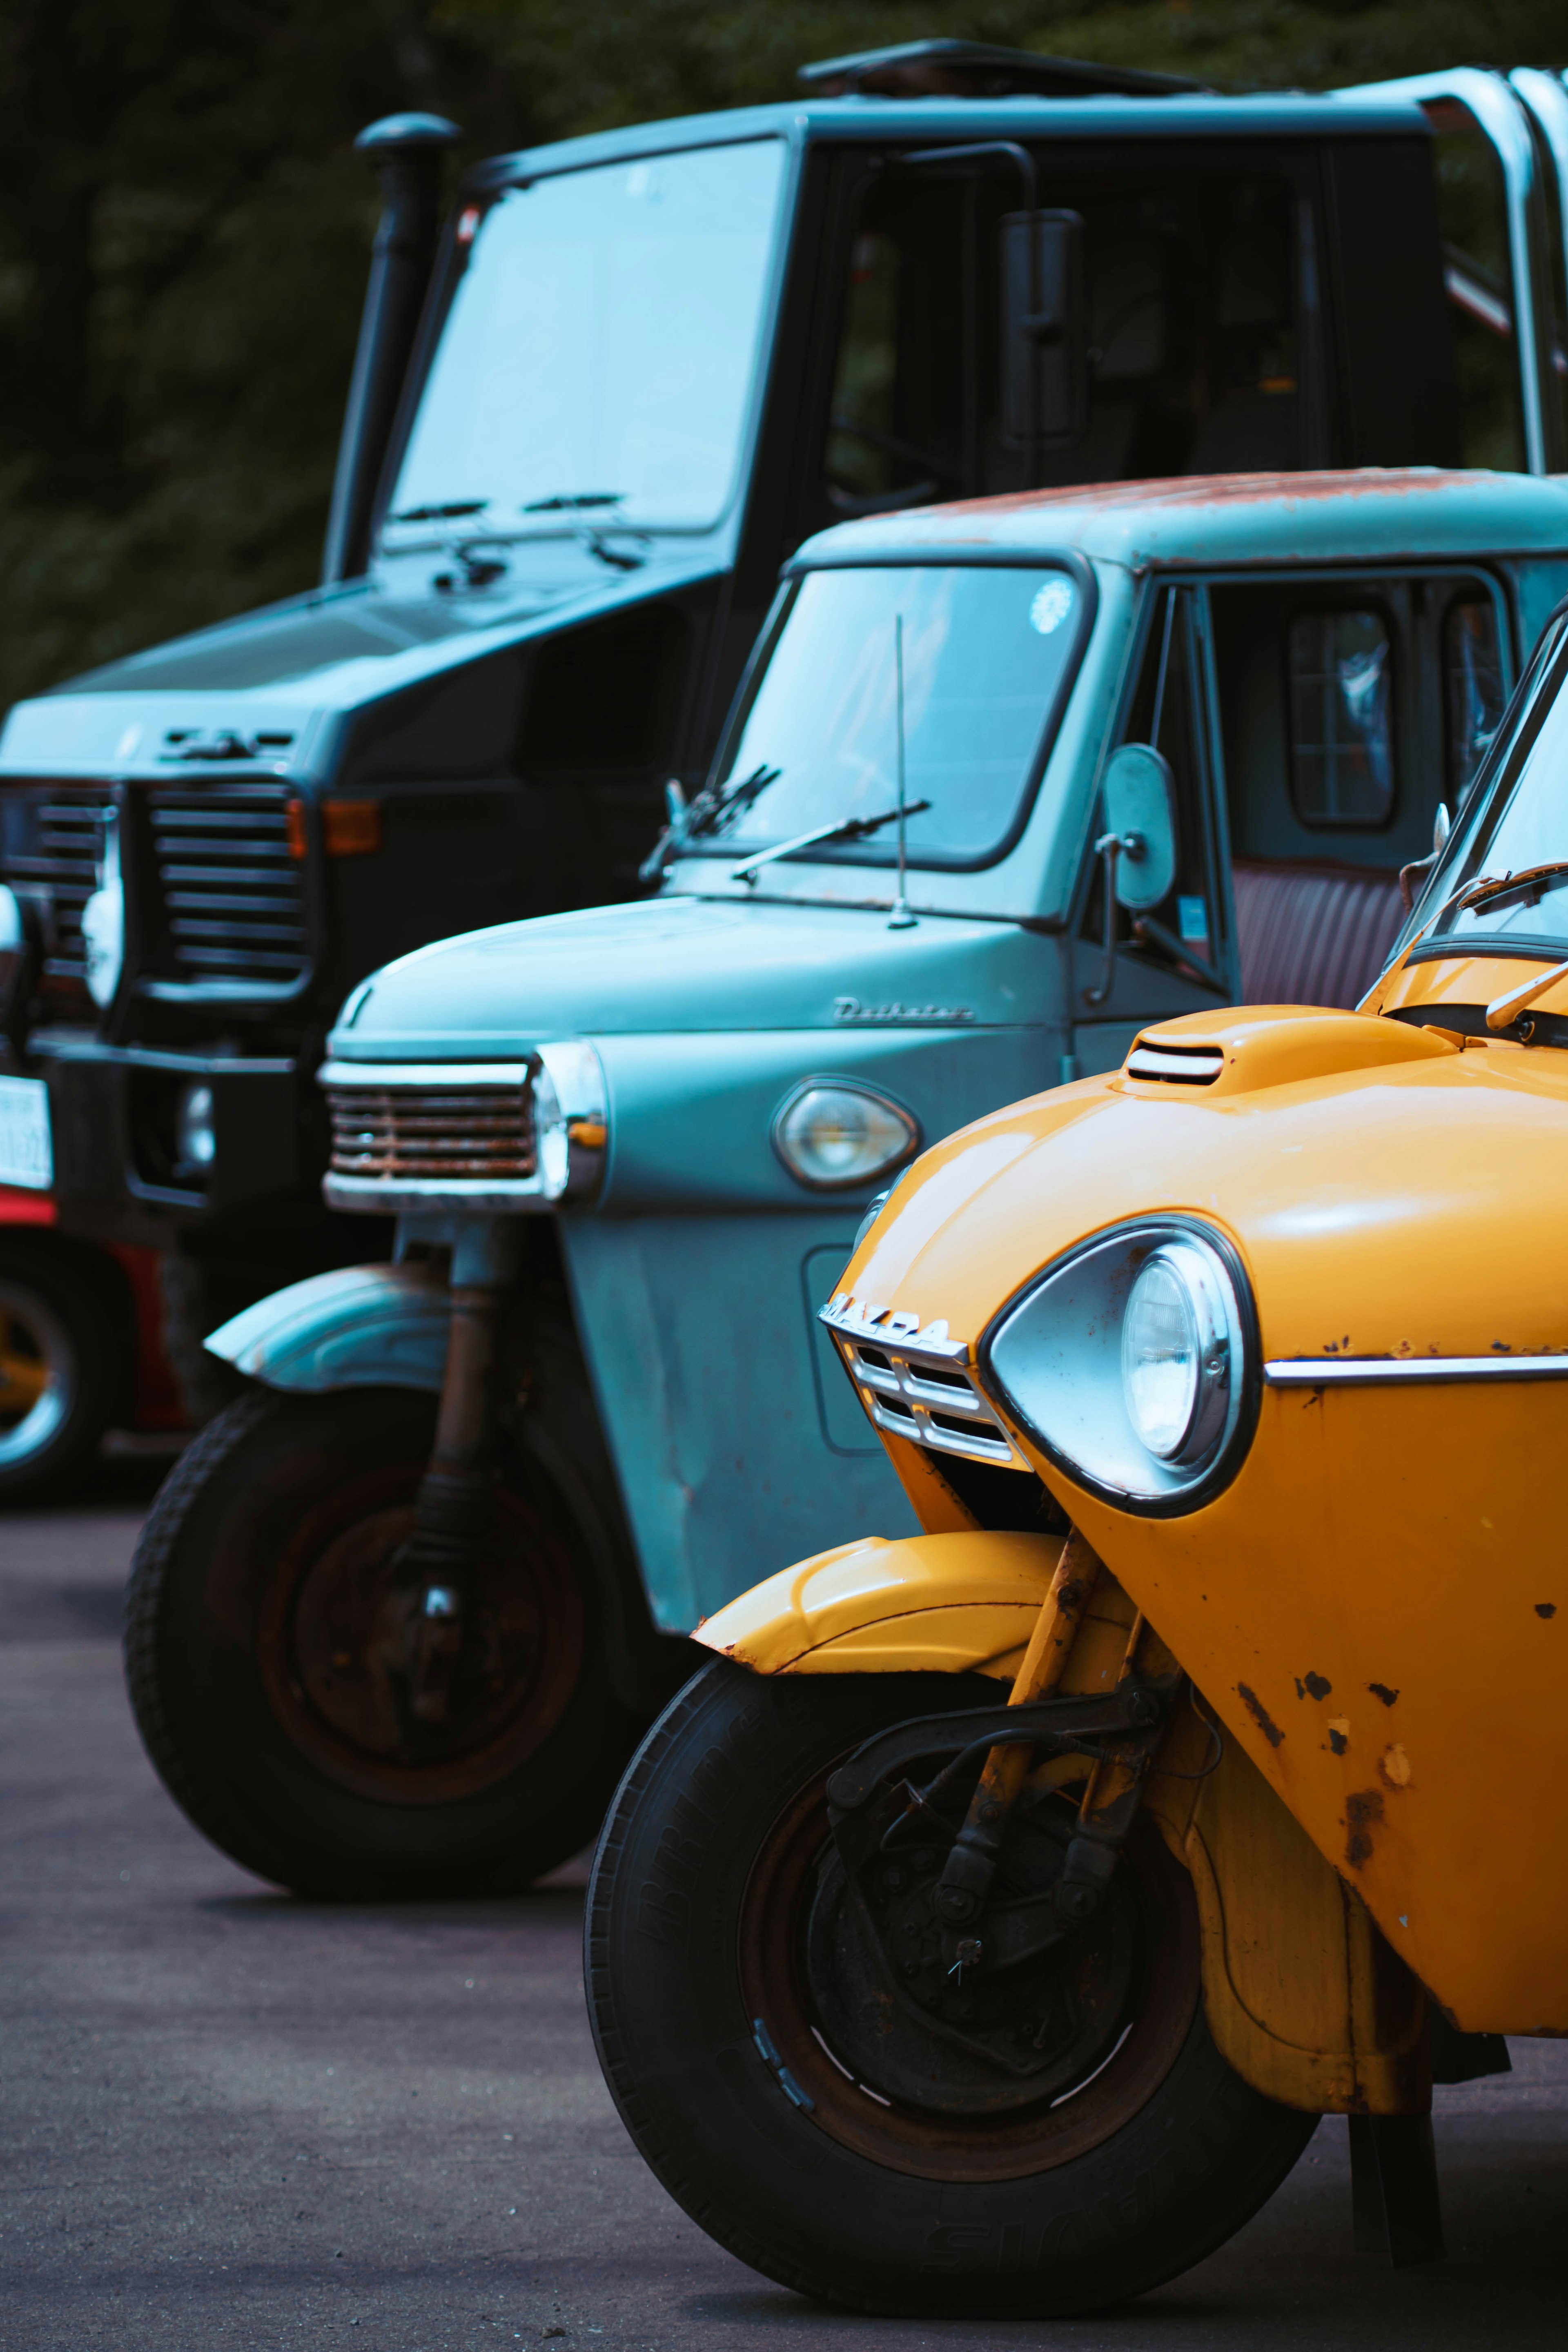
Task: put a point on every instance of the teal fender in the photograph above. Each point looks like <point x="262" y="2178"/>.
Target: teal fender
<point x="360" y="1327"/>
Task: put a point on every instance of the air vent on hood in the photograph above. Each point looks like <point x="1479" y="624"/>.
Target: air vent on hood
<point x="1176" y="1065"/>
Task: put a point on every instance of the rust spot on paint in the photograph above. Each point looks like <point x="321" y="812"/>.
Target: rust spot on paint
<point x="1259" y="1714"/>
<point x="1070" y="1597"/>
<point x="1394" y="1764"/>
<point x="1382" y="1691"/>
<point x="1546" y="1608"/>
<point x="1338" y="1742"/>
<point x="1318" y="1684"/>
<point x="1363" y="1813"/>
<point x="1301" y="1690"/>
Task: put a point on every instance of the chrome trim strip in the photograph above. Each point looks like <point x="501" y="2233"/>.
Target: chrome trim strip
<point x="377" y="1075"/>
<point x="384" y="1196"/>
<point x="1372" y="1372"/>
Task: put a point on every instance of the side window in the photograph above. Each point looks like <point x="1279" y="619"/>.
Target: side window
<point x="1473" y="693"/>
<point x="1473" y="212"/>
<point x="1340" y="666"/>
<point x="898" y="429"/>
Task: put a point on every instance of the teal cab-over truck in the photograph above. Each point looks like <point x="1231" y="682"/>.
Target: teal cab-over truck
<point x="1005" y="782"/>
<point x="590" y="416"/>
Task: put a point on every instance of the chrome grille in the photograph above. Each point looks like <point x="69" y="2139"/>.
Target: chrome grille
<point x="475" y="1129"/>
<point x="233" y="897"/>
<point x="50" y="844"/>
<point x="926" y="1393"/>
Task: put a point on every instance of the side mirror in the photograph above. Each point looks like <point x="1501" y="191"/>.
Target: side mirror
<point x="1139" y="844"/>
<point x="1044" y="340"/>
<point x="1140" y="801"/>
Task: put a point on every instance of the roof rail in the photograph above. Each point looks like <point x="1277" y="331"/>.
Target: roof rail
<point x="976" y="69"/>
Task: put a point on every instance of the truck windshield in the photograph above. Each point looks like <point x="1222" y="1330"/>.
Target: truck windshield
<point x="598" y="354"/>
<point x="1503" y="882"/>
<point x="987" y="652"/>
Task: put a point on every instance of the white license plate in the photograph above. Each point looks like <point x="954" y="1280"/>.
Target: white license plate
<point x="25" y="1154"/>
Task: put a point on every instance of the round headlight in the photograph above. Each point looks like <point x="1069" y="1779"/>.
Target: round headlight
<point x="835" y="1137"/>
<point x="1175" y="1354"/>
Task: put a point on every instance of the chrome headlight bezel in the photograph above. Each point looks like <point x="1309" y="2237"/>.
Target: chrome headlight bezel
<point x="1052" y="1357"/>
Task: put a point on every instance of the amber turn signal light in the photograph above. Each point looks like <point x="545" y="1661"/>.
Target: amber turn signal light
<point x="349" y="828"/>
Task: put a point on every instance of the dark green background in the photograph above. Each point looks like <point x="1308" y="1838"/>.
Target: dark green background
<point x="184" y="230"/>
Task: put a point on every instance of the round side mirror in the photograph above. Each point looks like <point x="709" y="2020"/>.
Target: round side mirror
<point x="1140" y="801"/>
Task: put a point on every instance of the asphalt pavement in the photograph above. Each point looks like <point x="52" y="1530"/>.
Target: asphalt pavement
<point x="233" y="2120"/>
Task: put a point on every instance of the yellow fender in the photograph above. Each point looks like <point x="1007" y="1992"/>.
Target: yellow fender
<point x="929" y="1605"/>
<point x="1304" y="1997"/>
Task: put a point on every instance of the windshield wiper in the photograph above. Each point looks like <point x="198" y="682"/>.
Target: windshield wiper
<point x="688" y="818"/>
<point x="450" y="510"/>
<point x="848" y="828"/>
<point x="594" y="535"/>
<point x="1488" y="887"/>
<point x="566" y="501"/>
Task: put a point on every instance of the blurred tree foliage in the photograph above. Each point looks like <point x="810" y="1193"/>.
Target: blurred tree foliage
<point x="184" y="230"/>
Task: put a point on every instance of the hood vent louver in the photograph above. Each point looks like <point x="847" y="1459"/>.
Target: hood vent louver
<point x="1175" y="1065"/>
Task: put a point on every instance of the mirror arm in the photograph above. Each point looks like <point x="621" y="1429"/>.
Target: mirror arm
<point x="1110" y="846"/>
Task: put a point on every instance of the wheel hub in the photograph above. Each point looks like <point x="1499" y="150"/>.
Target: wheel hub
<point x="950" y="2023"/>
<point x="395" y="1699"/>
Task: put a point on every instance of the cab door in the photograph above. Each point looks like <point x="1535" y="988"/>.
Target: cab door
<point x="1351" y="704"/>
<point x="1126" y="969"/>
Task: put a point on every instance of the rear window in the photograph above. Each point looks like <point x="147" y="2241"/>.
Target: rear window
<point x="1342" y="719"/>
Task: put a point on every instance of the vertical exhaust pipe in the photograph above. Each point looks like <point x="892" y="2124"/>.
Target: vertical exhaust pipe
<point x="407" y="151"/>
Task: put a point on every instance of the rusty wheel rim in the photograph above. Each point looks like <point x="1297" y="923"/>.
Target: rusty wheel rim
<point x="775" y="1987"/>
<point x="332" y="1622"/>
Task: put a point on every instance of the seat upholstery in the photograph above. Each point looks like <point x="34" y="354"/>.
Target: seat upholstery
<point x="1312" y="934"/>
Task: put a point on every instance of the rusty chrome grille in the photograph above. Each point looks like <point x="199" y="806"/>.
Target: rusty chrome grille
<point x="475" y="1128"/>
<point x="233" y="895"/>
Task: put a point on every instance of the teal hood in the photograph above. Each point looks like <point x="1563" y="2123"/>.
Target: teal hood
<point x="675" y="964"/>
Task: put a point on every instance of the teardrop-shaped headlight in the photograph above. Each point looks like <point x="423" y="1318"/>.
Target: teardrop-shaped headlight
<point x="835" y="1135"/>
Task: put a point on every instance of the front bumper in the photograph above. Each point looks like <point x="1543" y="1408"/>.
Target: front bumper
<point x="113" y="1112"/>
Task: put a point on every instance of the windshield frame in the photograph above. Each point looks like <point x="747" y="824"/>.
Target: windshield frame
<point x="1542" y="681"/>
<point x="880" y="854"/>
<point x="478" y="193"/>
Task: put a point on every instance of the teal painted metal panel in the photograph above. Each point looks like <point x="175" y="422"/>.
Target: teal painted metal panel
<point x="702" y="1361"/>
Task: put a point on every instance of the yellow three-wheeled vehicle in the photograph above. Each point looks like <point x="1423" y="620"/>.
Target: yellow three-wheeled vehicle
<point x="984" y="1929"/>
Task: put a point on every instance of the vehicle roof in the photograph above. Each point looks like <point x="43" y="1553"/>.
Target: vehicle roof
<point x="1260" y="115"/>
<point x="1221" y="518"/>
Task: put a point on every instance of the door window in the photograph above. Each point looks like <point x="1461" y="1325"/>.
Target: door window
<point x="1194" y="359"/>
<point x="1342" y="718"/>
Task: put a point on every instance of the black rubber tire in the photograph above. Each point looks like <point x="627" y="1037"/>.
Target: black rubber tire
<point x="200" y="1696"/>
<point x="724" y="1762"/>
<point x="71" y="1316"/>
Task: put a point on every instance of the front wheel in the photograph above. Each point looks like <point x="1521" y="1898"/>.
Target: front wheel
<point x="1039" y="2142"/>
<point x="65" y="1366"/>
<point x="266" y="1628"/>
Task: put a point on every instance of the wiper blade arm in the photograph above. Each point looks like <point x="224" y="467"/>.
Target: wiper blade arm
<point x="568" y="501"/>
<point x="448" y="510"/>
<point x="1497" y="885"/>
<point x="848" y="828"/>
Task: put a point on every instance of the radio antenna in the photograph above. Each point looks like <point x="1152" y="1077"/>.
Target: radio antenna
<point x="901" y="919"/>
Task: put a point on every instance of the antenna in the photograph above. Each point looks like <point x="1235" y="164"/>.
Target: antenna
<point x="901" y="919"/>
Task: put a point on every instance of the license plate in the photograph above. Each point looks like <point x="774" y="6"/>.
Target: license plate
<point x="25" y="1154"/>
